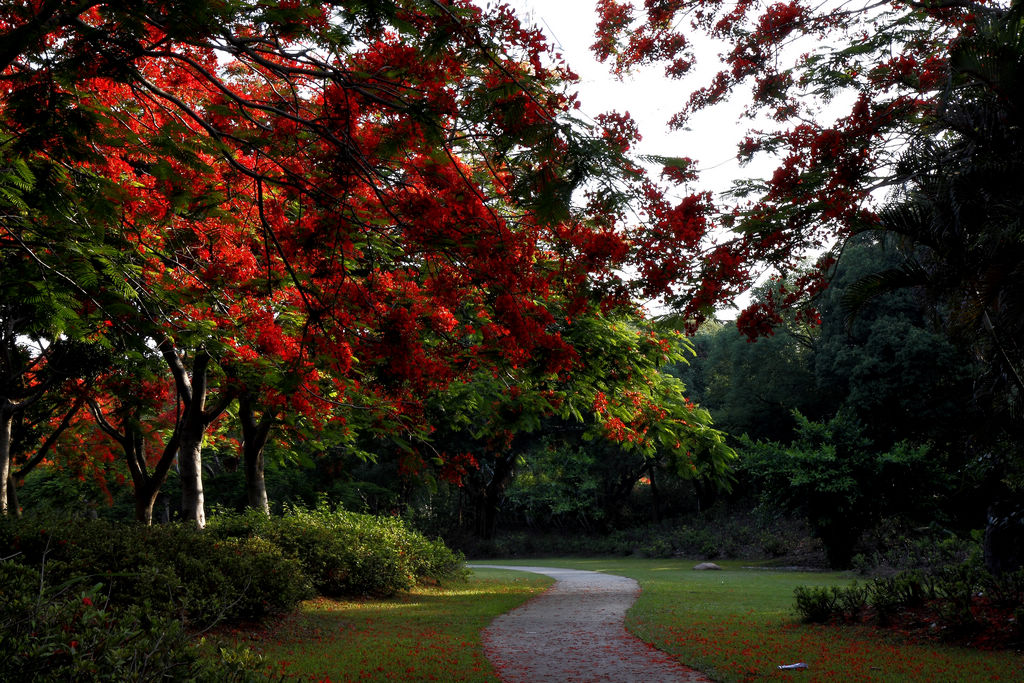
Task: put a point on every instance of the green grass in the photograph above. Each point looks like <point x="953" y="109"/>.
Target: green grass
<point x="739" y="625"/>
<point x="430" y="634"/>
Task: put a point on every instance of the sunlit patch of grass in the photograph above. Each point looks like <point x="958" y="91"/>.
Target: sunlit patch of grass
<point x="739" y="625"/>
<point x="429" y="634"/>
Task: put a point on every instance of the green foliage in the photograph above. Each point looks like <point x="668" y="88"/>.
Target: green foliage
<point x="750" y="388"/>
<point x="893" y="546"/>
<point x="72" y="631"/>
<point x="720" y="533"/>
<point x="816" y="604"/>
<point x="90" y="600"/>
<point x="862" y="366"/>
<point x="835" y="476"/>
<point x="168" y="570"/>
<point x="559" y="486"/>
<point x="952" y="593"/>
<point x="346" y="553"/>
<point x="865" y="364"/>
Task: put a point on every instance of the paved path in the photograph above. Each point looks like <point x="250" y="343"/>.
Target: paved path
<point x="575" y="632"/>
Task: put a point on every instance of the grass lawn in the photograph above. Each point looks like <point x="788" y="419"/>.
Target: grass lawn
<point x="430" y="634"/>
<point x="735" y="625"/>
<point x="739" y="625"/>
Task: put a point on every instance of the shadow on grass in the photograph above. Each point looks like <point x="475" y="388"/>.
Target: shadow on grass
<point x="428" y="634"/>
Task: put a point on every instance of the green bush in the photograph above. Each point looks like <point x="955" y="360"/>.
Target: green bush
<point x="951" y="591"/>
<point x="171" y="570"/>
<point x="90" y="600"/>
<point x="346" y="553"/>
<point x="1007" y="588"/>
<point x="816" y="604"/>
<point x="432" y="560"/>
<point x="851" y="601"/>
<point x="71" y="632"/>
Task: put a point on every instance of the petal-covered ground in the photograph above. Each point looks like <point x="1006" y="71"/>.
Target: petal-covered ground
<point x="575" y="632"/>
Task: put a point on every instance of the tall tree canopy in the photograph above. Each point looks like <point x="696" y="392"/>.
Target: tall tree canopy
<point x="318" y="211"/>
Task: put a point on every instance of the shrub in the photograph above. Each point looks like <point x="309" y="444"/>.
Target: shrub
<point x="850" y="602"/>
<point x="173" y="570"/>
<point x="952" y="593"/>
<point x="71" y="632"/>
<point x="346" y="553"/>
<point x="432" y="560"/>
<point x="885" y="597"/>
<point x="815" y="604"/>
<point x="90" y="600"/>
<point x="1007" y="588"/>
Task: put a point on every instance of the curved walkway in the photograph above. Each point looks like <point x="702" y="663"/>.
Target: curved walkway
<point x="575" y="632"/>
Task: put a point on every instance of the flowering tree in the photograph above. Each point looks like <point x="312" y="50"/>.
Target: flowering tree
<point x="922" y="103"/>
<point x="614" y="390"/>
<point x="318" y="211"/>
<point x="835" y="93"/>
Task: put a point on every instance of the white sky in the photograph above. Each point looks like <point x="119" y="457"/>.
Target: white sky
<point x="647" y="95"/>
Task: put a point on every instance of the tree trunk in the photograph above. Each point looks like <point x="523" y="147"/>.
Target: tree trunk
<point x="144" y="508"/>
<point x="190" y="464"/>
<point x="12" y="496"/>
<point x="255" y="483"/>
<point x="6" y="424"/>
<point x="254" y="440"/>
<point x="706" y="495"/>
<point x="503" y="466"/>
<point x="145" y="485"/>
<point x="1003" y="544"/>
<point x="192" y="425"/>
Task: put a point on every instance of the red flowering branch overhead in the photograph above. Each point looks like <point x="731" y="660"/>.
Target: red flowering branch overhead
<point x="321" y="211"/>
<point x="875" y="68"/>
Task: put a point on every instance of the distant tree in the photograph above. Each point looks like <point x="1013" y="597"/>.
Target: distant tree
<point x="844" y="484"/>
<point x="887" y="363"/>
<point x="751" y="388"/>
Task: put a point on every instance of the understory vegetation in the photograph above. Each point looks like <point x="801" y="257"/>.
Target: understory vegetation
<point x="962" y="603"/>
<point x="98" y="600"/>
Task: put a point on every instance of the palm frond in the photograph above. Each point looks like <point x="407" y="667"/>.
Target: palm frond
<point x="910" y="273"/>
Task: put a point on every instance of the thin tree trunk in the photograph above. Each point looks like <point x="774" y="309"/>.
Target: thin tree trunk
<point x="50" y="440"/>
<point x="145" y="485"/>
<point x="12" y="496"/>
<point x="1011" y="369"/>
<point x="254" y="441"/>
<point x="503" y="466"/>
<point x="6" y="425"/>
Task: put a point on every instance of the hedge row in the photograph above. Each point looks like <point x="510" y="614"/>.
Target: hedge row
<point x="955" y="595"/>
